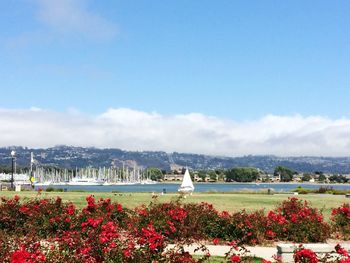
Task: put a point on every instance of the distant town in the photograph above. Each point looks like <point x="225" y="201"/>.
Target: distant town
<point x="67" y="161"/>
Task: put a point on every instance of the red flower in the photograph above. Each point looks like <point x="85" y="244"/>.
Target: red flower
<point x="294" y="218"/>
<point x="112" y="245"/>
<point x="305" y="255"/>
<point x="171" y="226"/>
<point x="85" y="250"/>
<point x="270" y="234"/>
<point x="341" y="251"/>
<point x="225" y="215"/>
<point x="43" y="202"/>
<point x="235" y="258"/>
<point x="178" y="214"/>
<point x="151" y="237"/>
<point x="119" y="208"/>
<point x="70" y="209"/>
<point x="216" y="241"/>
<point x="127" y="253"/>
<point x="20" y="256"/>
<point x="24" y="209"/>
<point x="23" y="256"/>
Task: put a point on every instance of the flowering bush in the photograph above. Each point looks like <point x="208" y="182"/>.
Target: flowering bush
<point x="303" y="255"/>
<point x="42" y="216"/>
<point x="295" y="220"/>
<point x="48" y="230"/>
<point x="341" y="220"/>
<point x="248" y="228"/>
<point x="168" y="218"/>
<point x="206" y="222"/>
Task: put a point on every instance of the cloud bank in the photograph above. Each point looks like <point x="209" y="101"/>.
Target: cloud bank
<point x="193" y="133"/>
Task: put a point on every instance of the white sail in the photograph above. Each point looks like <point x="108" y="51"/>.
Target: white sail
<point x="187" y="185"/>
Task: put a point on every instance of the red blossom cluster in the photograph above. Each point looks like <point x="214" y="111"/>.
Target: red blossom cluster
<point x="22" y="255"/>
<point x="151" y="238"/>
<point x="344" y="210"/>
<point x="178" y="214"/>
<point x="341" y="221"/>
<point x="49" y="230"/>
<point x="296" y="220"/>
<point x="341" y="251"/>
<point x="303" y="255"/>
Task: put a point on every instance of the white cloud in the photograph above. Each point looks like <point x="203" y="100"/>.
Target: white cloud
<point x="74" y="17"/>
<point x="195" y="133"/>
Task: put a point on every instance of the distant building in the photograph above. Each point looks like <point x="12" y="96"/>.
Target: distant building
<point x="173" y="177"/>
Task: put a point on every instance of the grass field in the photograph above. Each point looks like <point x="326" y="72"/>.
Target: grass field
<point x="221" y="201"/>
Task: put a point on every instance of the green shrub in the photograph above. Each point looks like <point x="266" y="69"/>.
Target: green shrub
<point x="52" y="189"/>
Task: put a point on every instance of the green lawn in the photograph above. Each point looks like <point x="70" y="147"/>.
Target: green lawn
<point x="221" y="201"/>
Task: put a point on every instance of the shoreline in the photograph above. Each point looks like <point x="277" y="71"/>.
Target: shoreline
<point x="254" y="183"/>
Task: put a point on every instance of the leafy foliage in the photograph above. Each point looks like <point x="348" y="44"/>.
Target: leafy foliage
<point x="242" y="174"/>
<point x="285" y="173"/>
<point x="48" y="230"/>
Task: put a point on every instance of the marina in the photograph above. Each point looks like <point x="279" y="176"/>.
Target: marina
<point x="91" y="177"/>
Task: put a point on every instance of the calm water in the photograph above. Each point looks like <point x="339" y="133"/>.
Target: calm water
<point x="201" y="187"/>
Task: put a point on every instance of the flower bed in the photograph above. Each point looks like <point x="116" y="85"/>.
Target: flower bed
<point x="48" y="230"/>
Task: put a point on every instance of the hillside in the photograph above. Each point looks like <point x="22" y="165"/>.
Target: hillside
<point x="71" y="157"/>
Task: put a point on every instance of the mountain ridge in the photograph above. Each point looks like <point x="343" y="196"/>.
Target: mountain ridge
<point x="72" y="156"/>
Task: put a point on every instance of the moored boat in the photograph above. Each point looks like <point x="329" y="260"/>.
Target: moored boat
<point x="85" y="181"/>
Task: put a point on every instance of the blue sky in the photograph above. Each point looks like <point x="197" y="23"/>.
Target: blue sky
<point x="233" y="59"/>
<point x="237" y="61"/>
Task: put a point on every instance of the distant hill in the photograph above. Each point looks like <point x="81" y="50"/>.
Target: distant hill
<point x="71" y="157"/>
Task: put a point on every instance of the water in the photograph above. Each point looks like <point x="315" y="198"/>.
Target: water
<point x="200" y="187"/>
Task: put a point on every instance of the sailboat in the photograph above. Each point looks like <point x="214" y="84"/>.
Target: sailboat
<point x="186" y="185"/>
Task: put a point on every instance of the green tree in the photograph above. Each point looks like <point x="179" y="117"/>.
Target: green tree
<point x="221" y="174"/>
<point x="285" y="173"/>
<point x="306" y="177"/>
<point x="202" y="175"/>
<point x="242" y="174"/>
<point x="322" y="177"/>
<point x="213" y="176"/>
<point x="155" y="174"/>
<point x="338" y="178"/>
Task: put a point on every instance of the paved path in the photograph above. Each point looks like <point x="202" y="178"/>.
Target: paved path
<point x="261" y="252"/>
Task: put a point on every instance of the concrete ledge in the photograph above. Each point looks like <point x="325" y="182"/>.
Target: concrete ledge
<point x="285" y="251"/>
<point x="221" y="250"/>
